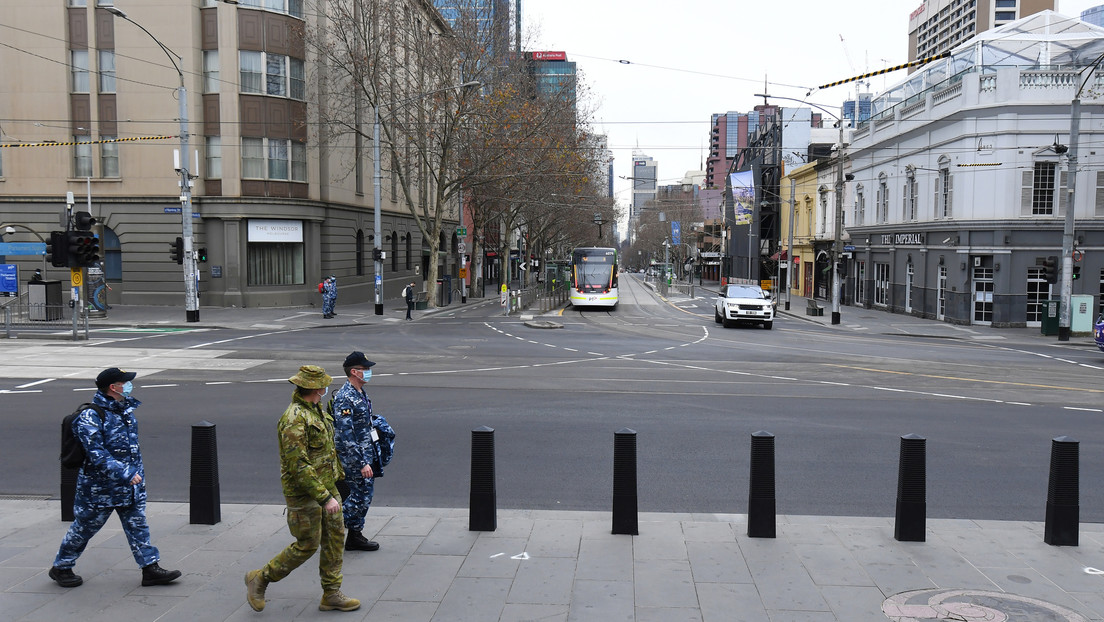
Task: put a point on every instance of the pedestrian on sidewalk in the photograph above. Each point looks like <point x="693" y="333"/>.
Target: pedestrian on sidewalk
<point x="329" y="296"/>
<point x="308" y="473"/>
<point x="364" y="445"/>
<point x="408" y="295"/>
<point x="112" y="479"/>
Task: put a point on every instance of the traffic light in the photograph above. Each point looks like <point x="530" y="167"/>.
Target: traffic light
<point x="377" y="254"/>
<point x="1050" y="269"/>
<point x="57" y="250"/>
<point x="1076" y="272"/>
<point x="83" y="221"/>
<point x="176" y="250"/>
<point x="201" y="254"/>
<point x="83" y="249"/>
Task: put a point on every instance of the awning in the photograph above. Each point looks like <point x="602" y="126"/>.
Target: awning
<point x="782" y="255"/>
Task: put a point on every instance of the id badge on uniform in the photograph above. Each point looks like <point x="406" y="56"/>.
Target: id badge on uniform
<point x="375" y="435"/>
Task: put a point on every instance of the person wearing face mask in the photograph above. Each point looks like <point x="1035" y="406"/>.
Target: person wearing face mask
<point x="309" y="472"/>
<point x="111" y="480"/>
<point x="364" y="443"/>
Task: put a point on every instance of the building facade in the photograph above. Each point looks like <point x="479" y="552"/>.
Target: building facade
<point x="962" y="181"/>
<point x="940" y="25"/>
<point x="278" y="204"/>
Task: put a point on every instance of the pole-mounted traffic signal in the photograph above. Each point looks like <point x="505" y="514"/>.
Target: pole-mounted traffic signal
<point x="1076" y="273"/>
<point x="1050" y="269"/>
<point x="82" y="248"/>
<point x="83" y="221"/>
<point x="57" y="250"/>
<point x="176" y="250"/>
<point x="201" y="254"/>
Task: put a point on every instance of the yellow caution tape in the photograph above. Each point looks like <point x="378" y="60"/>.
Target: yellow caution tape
<point x="922" y="61"/>
<point x="51" y="143"/>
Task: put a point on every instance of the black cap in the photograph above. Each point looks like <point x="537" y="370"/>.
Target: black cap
<point x="357" y="359"/>
<point x="111" y="375"/>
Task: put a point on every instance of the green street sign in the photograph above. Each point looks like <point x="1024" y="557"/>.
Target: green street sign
<point x="461" y="231"/>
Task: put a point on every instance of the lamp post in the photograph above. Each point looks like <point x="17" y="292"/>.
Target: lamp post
<point x="598" y="221"/>
<point x="1064" y="311"/>
<point x="377" y="249"/>
<point x="191" y="298"/>
<point x="837" y="246"/>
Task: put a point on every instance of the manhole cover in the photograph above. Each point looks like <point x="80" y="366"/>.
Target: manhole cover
<point x="974" y="606"/>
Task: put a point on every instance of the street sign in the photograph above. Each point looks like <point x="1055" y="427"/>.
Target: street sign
<point x="461" y="231"/>
<point x="463" y="273"/>
<point x="9" y="278"/>
<point x="848" y="247"/>
<point x="676" y="232"/>
<point x="379" y="279"/>
<point x="462" y="248"/>
<point x="22" y="248"/>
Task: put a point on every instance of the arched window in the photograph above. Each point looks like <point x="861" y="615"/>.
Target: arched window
<point x="360" y="252"/>
<point x="113" y="255"/>
<point x="394" y="251"/>
<point x="409" y="251"/>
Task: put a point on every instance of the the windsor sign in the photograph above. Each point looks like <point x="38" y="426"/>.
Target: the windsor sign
<point x="903" y="239"/>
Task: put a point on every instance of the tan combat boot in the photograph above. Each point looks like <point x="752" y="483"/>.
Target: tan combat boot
<point x="255" y="585"/>
<point x="334" y="599"/>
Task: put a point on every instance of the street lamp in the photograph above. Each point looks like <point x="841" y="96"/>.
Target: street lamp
<point x="377" y="250"/>
<point x="837" y="246"/>
<point x="191" y="298"/>
<point x="598" y="221"/>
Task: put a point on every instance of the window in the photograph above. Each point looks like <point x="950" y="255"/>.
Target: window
<point x="910" y="197"/>
<point x="883" y="200"/>
<point x="78" y="2"/>
<point x="213" y="157"/>
<point x="82" y="157"/>
<point x="112" y="255"/>
<point x="293" y="8"/>
<point x="943" y="193"/>
<point x="281" y="76"/>
<point x="107" y="71"/>
<point x="275" y="263"/>
<point x="409" y="252"/>
<point x="109" y="158"/>
<point x="881" y="284"/>
<point x="1038" y="291"/>
<point x="78" y="60"/>
<point x="1004" y="16"/>
<point x="253" y="158"/>
<point x="360" y="252"/>
<point x="1005" y="4"/>
<point x="105" y="2"/>
<point x="273" y="158"/>
<point x="210" y="71"/>
<point x="860" y="205"/>
<point x="250" y="72"/>
<point x="395" y="250"/>
<point x="860" y="282"/>
<point x="1042" y="188"/>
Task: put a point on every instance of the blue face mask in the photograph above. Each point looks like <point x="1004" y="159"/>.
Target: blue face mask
<point x="128" y="388"/>
<point x="366" y="375"/>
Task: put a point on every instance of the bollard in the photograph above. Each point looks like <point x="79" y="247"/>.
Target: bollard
<point x="761" y="511"/>
<point x="624" y="483"/>
<point x="482" y="514"/>
<point x="1063" y="506"/>
<point x="912" y="483"/>
<point x="68" y="492"/>
<point x="204" y="489"/>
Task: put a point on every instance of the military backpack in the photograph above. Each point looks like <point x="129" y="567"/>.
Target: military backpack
<point x="72" y="450"/>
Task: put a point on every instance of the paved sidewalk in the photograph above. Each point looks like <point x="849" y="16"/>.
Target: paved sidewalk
<point x="559" y="566"/>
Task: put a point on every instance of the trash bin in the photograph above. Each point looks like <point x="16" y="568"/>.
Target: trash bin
<point x="1049" y="324"/>
<point x="44" y="299"/>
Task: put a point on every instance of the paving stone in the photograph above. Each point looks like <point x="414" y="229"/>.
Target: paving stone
<point x="609" y="601"/>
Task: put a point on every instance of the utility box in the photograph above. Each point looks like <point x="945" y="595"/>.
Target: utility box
<point x="1081" y="317"/>
<point x="1049" y="325"/>
<point x="44" y="299"/>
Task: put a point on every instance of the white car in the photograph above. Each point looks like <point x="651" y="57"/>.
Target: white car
<point x="743" y="303"/>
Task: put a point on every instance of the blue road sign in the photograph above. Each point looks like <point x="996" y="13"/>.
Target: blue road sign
<point x="9" y="278"/>
<point x="22" y="248"/>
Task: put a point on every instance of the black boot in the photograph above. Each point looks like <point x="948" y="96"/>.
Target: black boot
<point x="357" y="542"/>
<point x="156" y="575"/>
<point x="65" y="577"/>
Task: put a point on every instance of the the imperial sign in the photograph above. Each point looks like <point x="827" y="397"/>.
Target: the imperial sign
<point x="903" y="239"/>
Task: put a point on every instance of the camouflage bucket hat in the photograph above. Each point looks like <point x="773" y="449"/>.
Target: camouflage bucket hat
<point x="311" y="377"/>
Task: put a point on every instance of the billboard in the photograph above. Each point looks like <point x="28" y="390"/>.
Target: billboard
<point x="743" y="196"/>
<point x="549" y="55"/>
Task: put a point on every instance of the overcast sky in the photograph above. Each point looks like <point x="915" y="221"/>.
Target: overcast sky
<point x="688" y="59"/>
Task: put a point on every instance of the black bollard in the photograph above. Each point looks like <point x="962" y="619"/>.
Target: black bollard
<point x="482" y="513"/>
<point x="204" y="489"/>
<point x="761" y="510"/>
<point x="625" y="520"/>
<point x="1063" y="505"/>
<point x="912" y="485"/>
<point x="68" y="492"/>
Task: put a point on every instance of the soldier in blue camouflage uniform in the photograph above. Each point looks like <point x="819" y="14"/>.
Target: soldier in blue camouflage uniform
<point x="308" y="473"/>
<point x="364" y="443"/>
<point x="329" y="296"/>
<point x="112" y="479"/>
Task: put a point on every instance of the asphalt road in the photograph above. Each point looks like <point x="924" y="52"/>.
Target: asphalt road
<point x="693" y="391"/>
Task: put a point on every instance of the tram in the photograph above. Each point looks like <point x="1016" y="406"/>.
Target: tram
<point x="593" y="277"/>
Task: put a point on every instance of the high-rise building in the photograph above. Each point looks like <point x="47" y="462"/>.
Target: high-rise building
<point x="939" y="25"/>
<point x="644" y="177"/>
<point x="1094" y="15"/>
<point x="493" y="17"/>
<point x="858" y="109"/>
<point x="553" y="74"/>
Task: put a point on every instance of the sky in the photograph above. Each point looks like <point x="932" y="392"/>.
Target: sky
<point x="689" y="59"/>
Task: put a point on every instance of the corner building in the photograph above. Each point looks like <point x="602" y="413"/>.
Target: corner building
<point x="960" y="187"/>
<point x="277" y="204"/>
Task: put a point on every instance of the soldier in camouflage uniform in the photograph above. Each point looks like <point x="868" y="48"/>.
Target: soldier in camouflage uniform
<point x="364" y="443"/>
<point x="309" y="473"/>
<point x="112" y="479"/>
<point x="329" y="296"/>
